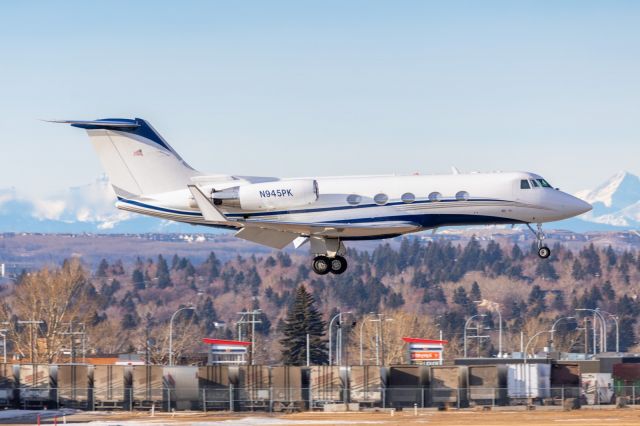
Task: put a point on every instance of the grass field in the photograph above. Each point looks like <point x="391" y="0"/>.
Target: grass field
<point x="625" y="416"/>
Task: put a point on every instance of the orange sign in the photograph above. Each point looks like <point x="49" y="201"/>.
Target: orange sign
<point x="425" y="356"/>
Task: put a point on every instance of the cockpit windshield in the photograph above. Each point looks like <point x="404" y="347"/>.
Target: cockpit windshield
<point x="534" y="183"/>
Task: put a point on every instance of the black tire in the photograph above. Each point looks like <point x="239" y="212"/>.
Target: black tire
<point x="321" y="265"/>
<point x="338" y="265"/>
<point x="544" y="252"/>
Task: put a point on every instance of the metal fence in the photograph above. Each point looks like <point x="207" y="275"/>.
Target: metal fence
<point x="230" y="398"/>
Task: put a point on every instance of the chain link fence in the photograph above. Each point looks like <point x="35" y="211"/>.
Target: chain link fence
<point x="230" y="398"/>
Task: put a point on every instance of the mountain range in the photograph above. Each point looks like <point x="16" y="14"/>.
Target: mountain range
<point x="90" y="209"/>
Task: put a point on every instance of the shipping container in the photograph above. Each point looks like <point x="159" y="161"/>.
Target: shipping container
<point x="252" y="388"/>
<point x="326" y="384"/>
<point x="528" y="381"/>
<point x="7" y="385"/>
<point x="181" y="387"/>
<point x="74" y="385"/>
<point x="286" y="388"/>
<point x="447" y="385"/>
<point x="597" y="388"/>
<point x="365" y="384"/>
<point x="215" y="382"/>
<point x="405" y="386"/>
<point x="37" y="385"/>
<point x="487" y="384"/>
<point x="112" y="386"/>
<point x="147" y="385"/>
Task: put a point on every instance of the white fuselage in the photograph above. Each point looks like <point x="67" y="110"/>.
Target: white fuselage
<point x="464" y="199"/>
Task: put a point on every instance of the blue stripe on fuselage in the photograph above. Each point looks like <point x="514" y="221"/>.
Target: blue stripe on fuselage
<point x="428" y="220"/>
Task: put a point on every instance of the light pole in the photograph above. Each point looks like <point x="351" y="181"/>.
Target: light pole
<point x="495" y="306"/>
<point x="364" y="319"/>
<point x="338" y="315"/>
<point x="526" y="348"/>
<point x="380" y="339"/>
<point x="3" y="334"/>
<point x="553" y="329"/>
<point x="466" y="324"/>
<point x="603" y="329"/>
<point x="615" y="319"/>
<point x="171" y="331"/>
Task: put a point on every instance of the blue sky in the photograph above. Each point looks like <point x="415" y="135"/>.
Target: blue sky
<point x="326" y="88"/>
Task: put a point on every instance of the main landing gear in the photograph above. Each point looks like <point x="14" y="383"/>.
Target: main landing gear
<point x="323" y="265"/>
<point x="543" y="251"/>
<point x="329" y="256"/>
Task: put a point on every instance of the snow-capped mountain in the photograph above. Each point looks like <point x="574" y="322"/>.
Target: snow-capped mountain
<point x="616" y="202"/>
<point x="87" y="208"/>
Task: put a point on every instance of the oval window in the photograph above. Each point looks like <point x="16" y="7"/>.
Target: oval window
<point x="435" y="196"/>
<point x="381" y="199"/>
<point x="462" y="196"/>
<point x="408" y="197"/>
<point x="354" y="199"/>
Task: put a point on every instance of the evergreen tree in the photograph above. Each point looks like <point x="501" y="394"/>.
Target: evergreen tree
<point x="303" y="318"/>
<point x="138" y="279"/>
<point x="475" y="292"/>
<point x="536" y="301"/>
<point x="102" y="268"/>
<point x="162" y="273"/>
<point x="211" y="267"/>
<point x="209" y="315"/>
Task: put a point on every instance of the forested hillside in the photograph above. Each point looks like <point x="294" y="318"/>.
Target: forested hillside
<point x="424" y="286"/>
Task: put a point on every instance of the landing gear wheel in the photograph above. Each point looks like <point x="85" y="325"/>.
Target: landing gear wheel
<point x="544" y="252"/>
<point x="338" y="265"/>
<point x="321" y="265"/>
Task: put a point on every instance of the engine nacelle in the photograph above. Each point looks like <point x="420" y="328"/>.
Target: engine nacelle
<point x="282" y="194"/>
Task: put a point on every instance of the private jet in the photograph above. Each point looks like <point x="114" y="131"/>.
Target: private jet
<point x="149" y="177"/>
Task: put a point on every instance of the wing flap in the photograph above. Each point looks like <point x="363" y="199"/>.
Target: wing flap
<point x="336" y="230"/>
<point x="267" y="237"/>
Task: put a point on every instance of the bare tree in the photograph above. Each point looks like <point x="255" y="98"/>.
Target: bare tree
<point x="47" y="300"/>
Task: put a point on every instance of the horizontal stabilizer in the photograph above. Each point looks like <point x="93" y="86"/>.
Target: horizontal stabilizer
<point x="105" y="123"/>
<point x="208" y="210"/>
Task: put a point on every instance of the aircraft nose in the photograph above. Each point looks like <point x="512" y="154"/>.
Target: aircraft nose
<point x="577" y="207"/>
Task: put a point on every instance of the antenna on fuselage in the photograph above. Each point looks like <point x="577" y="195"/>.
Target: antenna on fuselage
<point x="455" y="170"/>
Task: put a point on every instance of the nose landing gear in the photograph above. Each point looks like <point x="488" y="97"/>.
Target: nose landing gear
<point x="543" y="251"/>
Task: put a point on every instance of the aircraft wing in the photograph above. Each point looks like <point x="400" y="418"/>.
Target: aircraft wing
<point x="334" y="230"/>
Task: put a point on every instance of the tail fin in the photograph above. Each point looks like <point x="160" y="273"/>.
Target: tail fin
<point x="136" y="158"/>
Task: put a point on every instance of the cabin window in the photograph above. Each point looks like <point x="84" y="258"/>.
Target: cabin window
<point x="462" y="196"/>
<point x="354" y="199"/>
<point x="534" y="183"/>
<point x="544" y="183"/>
<point x="381" y="199"/>
<point x="524" y="184"/>
<point x="435" y="196"/>
<point x="408" y="197"/>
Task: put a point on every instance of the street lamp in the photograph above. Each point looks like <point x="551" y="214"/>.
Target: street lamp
<point x="615" y="319"/>
<point x="603" y="329"/>
<point x="193" y="308"/>
<point x="553" y="329"/>
<point x="466" y="324"/>
<point x="338" y="315"/>
<point x="526" y="348"/>
<point x="380" y="339"/>
<point x="494" y="306"/>
<point x="364" y="318"/>
<point x="3" y="334"/>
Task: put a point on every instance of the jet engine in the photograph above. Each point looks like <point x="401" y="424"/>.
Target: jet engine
<point x="275" y="195"/>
